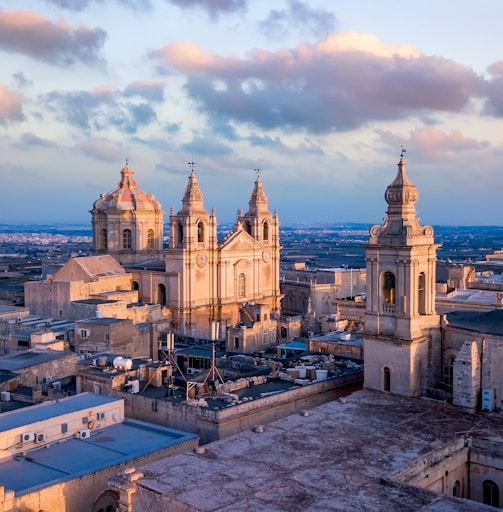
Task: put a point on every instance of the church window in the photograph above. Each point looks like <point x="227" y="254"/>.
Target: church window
<point x="491" y="493"/>
<point x="150" y="238"/>
<point x="236" y="342"/>
<point x="247" y="227"/>
<point x="103" y="243"/>
<point x="127" y="239"/>
<point x="136" y="286"/>
<point x="266" y="231"/>
<point x="421" y="294"/>
<point x="326" y="307"/>
<point x="389" y="288"/>
<point x="242" y="285"/>
<point x="456" y="490"/>
<point x="387" y="379"/>
<point x="180" y="234"/>
<point x="200" y="232"/>
<point x="161" y="295"/>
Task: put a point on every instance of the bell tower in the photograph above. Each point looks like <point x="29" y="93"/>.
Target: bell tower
<point x="192" y="257"/>
<point x="402" y="329"/>
<point x="263" y="227"/>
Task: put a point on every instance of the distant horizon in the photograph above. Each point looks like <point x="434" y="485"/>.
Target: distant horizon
<point x="224" y="223"/>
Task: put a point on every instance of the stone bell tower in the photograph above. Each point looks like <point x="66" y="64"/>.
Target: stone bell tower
<point x="402" y="329"/>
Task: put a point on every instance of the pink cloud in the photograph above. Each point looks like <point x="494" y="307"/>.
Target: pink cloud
<point x="433" y="144"/>
<point x="10" y="105"/>
<point x="31" y="34"/>
<point x="340" y="83"/>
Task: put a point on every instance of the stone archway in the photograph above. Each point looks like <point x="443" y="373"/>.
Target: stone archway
<point x="107" y="501"/>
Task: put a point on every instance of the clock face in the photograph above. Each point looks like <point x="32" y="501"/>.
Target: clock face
<point x="266" y="256"/>
<point x="202" y="259"/>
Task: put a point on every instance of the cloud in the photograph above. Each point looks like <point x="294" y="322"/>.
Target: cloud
<point x="494" y="89"/>
<point x="206" y="146"/>
<point x="31" y="34"/>
<point x="213" y="7"/>
<point x="29" y="139"/>
<point x="152" y="91"/>
<point x="80" y="5"/>
<point x="341" y="83"/>
<point x="21" y="80"/>
<point x="99" y="109"/>
<point x="100" y="150"/>
<point x="432" y="144"/>
<point x="299" y="15"/>
<point x="11" y="108"/>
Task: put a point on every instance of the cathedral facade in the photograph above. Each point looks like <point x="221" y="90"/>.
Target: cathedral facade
<point x="228" y="289"/>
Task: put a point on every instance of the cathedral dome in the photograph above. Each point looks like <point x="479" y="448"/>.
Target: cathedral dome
<point x="127" y="196"/>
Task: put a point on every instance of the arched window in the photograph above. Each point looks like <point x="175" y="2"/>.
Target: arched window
<point x="200" y="232"/>
<point x="421" y="294"/>
<point x="180" y="233"/>
<point x="456" y="490"/>
<point x="127" y="239"/>
<point x="389" y="288"/>
<point x="491" y="493"/>
<point x="136" y="286"/>
<point x="150" y="238"/>
<point x="266" y="231"/>
<point x="242" y="285"/>
<point x="103" y="242"/>
<point x="247" y="227"/>
<point x="161" y="295"/>
<point x="387" y="379"/>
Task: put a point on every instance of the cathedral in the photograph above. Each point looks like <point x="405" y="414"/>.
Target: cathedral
<point x="208" y="288"/>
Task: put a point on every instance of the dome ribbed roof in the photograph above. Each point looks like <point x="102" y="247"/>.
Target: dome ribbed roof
<point x="127" y="196"/>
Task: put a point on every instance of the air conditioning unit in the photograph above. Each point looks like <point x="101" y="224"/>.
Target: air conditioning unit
<point x="100" y="416"/>
<point x="84" y="434"/>
<point x="56" y="384"/>
<point x="48" y="379"/>
<point x="5" y="396"/>
<point x="28" y="437"/>
<point x="40" y="437"/>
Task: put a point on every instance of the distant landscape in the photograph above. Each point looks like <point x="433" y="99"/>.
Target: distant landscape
<point x="319" y="245"/>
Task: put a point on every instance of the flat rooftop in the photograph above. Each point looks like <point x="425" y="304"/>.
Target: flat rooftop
<point x="52" y="409"/>
<point x="488" y="322"/>
<point x="345" y="455"/>
<point x="103" y="321"/>
<point x="31" y="358"/>
<point x="60" y="462"/>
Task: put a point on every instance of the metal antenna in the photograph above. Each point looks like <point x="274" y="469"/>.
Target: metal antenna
<point x="403" y="151"/>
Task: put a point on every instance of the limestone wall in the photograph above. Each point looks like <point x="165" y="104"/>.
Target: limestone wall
<point x="211" y="425"/>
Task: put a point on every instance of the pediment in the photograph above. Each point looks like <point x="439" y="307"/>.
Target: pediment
<point x="239" y="241"/>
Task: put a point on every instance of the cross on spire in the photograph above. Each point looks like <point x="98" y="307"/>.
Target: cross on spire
<point x="403" y="151"/>
<point x="192" y="165"/>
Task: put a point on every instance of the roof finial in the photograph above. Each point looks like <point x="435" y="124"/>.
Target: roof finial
<point x="258" y="170"/>
<point x="192" y="165"/>
<point x="403" y="151"/>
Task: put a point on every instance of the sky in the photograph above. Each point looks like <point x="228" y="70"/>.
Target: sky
<point x="319" y="95"/>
